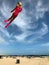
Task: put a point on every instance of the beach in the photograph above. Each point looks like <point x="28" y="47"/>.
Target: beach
<point x="24" y="61"/>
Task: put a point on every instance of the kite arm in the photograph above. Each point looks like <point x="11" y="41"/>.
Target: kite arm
<point x="13" y="9"/>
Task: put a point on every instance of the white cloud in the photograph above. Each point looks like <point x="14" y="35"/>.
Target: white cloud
<point x="1" y="24"/>
<point x="4" y="32"/>
<point x="43" y="30"/>
<point x="39" y="3"/>
<point x="40" y="9"/>
<point x="46" y="44"/>
<point x="1" y="40"/>
<point x="5" y="10"/>
<point x="23" y="36"/>
<point x="37" y="34"/>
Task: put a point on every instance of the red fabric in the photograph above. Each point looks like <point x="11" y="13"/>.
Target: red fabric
<point x="15" y="13"/>
<point x="6" y="21"/>
<point x="17" y="10"/>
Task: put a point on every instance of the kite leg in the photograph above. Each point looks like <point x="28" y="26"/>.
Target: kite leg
<point x="10" y="22"/>
<point x="8" y="19"/>
<point x="5" y="20"/>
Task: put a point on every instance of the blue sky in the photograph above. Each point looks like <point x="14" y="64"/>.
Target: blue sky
<point x="29" y="32"/>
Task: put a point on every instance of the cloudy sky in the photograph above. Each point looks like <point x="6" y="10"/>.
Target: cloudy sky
<point x="29" y="32"/>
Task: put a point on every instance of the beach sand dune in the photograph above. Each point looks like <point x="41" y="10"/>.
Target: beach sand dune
<point x="24" y="61"/>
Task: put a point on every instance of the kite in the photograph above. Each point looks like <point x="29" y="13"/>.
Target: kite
<point x="15" y="11"/>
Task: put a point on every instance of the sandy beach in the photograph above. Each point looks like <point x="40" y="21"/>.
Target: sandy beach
<point x="24" y="61"/>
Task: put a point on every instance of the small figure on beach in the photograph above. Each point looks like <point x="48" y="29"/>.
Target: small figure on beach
<point x="17" y="61"/>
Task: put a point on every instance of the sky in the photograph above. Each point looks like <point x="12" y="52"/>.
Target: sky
<point x="28" y="34"/>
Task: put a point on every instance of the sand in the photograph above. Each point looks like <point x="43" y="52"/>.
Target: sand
<point x="24" y="61"/>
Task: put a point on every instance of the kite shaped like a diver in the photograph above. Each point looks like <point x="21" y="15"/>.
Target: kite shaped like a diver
<point x="15" y="11"/>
